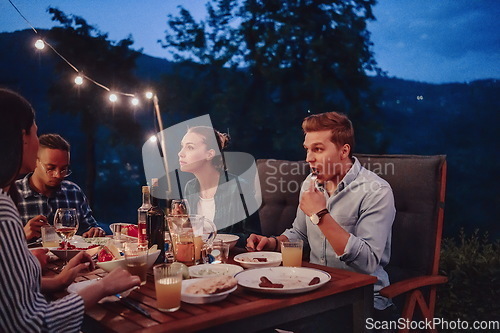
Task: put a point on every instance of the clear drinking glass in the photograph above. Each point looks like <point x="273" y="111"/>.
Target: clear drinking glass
<point x="168" y="284"/>
<point x="49" y="236"/>
<point x="291" y="252"/>
<point x="66" y="224"/>
<point x="217" y="253"/>
<point x="179" y="207"/>
<point x="136" y="260"/>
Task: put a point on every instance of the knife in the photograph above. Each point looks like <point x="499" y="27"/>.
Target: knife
<point x="133" y="305"/>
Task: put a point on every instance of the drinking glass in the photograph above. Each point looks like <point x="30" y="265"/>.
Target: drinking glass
<point x="179" y="207"/>
<point x="136" y="260"/>
<point x="217" y="253"/>
<point x="291" y="252"/>
<point x="189" y="234"/>
<point x="49" y="236"/>
<point x="66" y="224"/>
<point x="168" y="284"/>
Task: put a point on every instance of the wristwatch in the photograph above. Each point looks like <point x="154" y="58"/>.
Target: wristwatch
<point x="315" y="218"/>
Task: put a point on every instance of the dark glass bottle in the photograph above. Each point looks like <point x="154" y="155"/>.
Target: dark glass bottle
<point x="156" y="223"/>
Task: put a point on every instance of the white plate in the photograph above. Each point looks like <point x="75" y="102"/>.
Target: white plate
<point x="273" y="259"/>
<point x="75" y="287"/>
<point x="202" y="299"/>
<point x="210" y="270"/>
<point x="228" y="238"/>
<point x="77" y="241"/>
<point x="294" y="279"/>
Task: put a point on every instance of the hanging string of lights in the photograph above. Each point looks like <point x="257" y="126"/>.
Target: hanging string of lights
<point x="81" y="77"/>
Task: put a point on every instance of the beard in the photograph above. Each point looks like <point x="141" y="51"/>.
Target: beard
<point x="53" y="187"/>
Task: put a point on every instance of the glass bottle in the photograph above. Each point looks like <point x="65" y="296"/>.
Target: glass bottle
<point x="156" y="222"/>
<point x="142" y="217"/>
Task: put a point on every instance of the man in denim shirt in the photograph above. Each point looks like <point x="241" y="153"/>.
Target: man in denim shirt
<point x="345" y="212"/>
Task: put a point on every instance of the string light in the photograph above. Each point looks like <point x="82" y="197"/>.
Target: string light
<point x="79" y="80"/>
<point x="113" y="97"/>
<point x="39" y="44"/>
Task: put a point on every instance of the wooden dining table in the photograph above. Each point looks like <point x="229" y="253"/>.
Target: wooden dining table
<point x="241" y="311"/>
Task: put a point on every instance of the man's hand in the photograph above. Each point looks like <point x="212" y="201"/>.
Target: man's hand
<point x="256" y="242"/>
<point x="312" y="200"/>
<point x="33" y="229"/>
<point x="94" y="232"/>
<point x="41" y="255"/>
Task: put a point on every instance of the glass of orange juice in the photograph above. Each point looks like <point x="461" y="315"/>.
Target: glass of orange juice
<point x="168" y="283"/>
<point x="291" y="251"/>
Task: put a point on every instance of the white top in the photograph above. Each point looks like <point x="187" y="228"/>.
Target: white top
<point x="206" y="207"/>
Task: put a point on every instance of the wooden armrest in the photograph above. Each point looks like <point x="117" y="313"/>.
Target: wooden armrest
<point x="404" y="286"/>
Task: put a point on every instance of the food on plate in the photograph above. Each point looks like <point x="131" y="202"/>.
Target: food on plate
<point x="183" y="268"/>
<point x="74" y="247"/>
<point x="208" y="286"/>
<point x="266" y="283"/>
<point x="108" y="252"/>
<point x="248" y="259"/>
<point x="130" y="230"/>
<point x="96" y="240"/>
<point x="315" y="280"/>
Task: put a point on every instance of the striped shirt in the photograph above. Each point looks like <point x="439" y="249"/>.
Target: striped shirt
<point x="23" y="308"/>
<point x="69" y="195"/>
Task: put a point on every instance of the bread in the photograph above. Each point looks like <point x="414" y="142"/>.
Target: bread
<point x="214" y="285"/>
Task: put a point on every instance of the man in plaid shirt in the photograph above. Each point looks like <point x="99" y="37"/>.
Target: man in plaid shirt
<point x="42" y="192"/>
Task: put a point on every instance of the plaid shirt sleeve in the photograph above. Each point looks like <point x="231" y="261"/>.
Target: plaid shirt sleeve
<point x="72" y="196"/>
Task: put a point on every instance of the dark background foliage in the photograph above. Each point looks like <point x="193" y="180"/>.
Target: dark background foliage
<point x="258" y="70"/>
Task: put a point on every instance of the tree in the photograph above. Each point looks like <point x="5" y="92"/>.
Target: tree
<point x="298" y="56"/>
<point x="105" y="61"/>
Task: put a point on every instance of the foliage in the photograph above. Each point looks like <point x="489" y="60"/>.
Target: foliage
<point x="274" y="62"/>
<point x="105" y="61"/>
<point x="472" y="265"/>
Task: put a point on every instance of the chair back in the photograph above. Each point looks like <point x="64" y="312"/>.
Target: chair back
<point x="280" y="183"/>
<point x="418" y="183"/>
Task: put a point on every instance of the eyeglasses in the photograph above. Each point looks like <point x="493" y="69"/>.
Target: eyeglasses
<point x="52" y="172"/>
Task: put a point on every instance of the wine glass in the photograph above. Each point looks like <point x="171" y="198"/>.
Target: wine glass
<point x="66" y="224"/>
<point x="179" y="207"/>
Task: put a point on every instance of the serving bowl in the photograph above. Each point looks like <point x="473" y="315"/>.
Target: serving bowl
<point x="210" y="270"/>
<point x="108" y="266"/>
<point x="228" y="239"/>
<point x="250" y="259"/>
<point x="202" y="298"/>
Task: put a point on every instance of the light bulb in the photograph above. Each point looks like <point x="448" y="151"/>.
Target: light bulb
<point x="153" y="138"/>
<point x="39" y="44"/>
<point x="79" y="80"/>
<point x="135" y="101"/>
<point x="113" y="98"/>
<point x="149" y="95"/>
